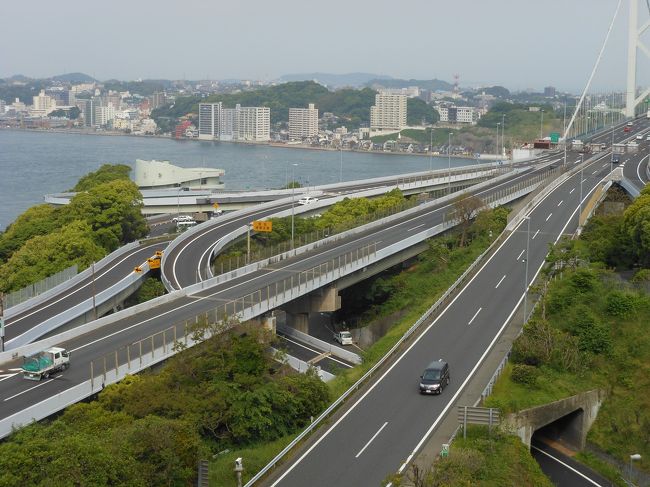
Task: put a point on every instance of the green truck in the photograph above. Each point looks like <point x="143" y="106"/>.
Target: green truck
<point x="45" y="363"/>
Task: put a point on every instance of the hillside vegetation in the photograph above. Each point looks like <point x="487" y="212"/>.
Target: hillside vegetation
<point x="105" y="214"/>
<point x="592" y="330"/>
<point x="152" y="429"/>
<point x="350" y="105"/>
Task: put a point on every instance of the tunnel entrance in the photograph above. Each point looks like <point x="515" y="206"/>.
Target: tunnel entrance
<point x="565" y="432"/>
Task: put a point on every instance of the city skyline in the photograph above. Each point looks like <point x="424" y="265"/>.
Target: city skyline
<point x="503" y="42"/>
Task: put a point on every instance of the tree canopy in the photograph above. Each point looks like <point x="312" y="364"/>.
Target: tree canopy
<point x="106" y="173"/>
<point x="45" y="239"/>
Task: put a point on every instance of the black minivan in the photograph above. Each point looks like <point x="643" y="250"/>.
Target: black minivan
<point x="435" y="377"/>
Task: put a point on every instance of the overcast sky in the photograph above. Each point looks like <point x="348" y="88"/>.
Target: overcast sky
<point x="519" y="44"/>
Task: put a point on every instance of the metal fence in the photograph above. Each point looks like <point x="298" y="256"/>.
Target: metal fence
<point x="28" y="292"/>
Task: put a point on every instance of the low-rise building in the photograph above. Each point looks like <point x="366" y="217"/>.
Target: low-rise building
<point x="163" y="175"/>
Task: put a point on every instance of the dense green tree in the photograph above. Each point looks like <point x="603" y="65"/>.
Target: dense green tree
<point x="113" y="210"/>
<point x="44" y="255"/>
<point x="105" y="174"/>
<point x="37" y="220"/>
<point x="151" y="288"/>
<point x="418" y="112"/>
<point x="636" y="226"/>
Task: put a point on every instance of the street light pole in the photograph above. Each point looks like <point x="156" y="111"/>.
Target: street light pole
<point x="526" y="273"/>
<point x="541" y="126"/>
<point x="293" y="190"/>
<point x="635" y="456"/>
<point x="582" y="160"/>
<point x="449" y="163"/>
<point x="496" y="149"/>
<point x="565" y="142"/>
<point x="341" y="166"/>
<point x="431" y="150"/>
<point x="503" y="133"/>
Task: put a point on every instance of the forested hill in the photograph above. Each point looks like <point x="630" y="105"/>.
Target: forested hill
<point x="350" y="105"/>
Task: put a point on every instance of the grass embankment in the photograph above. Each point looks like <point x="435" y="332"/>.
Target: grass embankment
<point x="592" y="331"/>
<point x="483" y="458"/>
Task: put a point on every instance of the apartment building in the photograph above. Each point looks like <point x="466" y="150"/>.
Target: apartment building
<point x="303" y="122"/>
<point x="388" y="112"/>
<point x="456" y="114"/>
<point x="240" y="123"/>
<point x="209" y="117"/>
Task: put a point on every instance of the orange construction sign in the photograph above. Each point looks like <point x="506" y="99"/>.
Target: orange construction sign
<point x="261" y="226"/>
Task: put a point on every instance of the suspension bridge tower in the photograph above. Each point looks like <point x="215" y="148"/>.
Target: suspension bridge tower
<point x="634" y="42"/>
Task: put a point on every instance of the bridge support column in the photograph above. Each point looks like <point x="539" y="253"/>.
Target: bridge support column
<point x="298" y="321"/>
<point x="266" y="321"/>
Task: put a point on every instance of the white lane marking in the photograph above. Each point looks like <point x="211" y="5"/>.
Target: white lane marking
<point x="605" y="165"/>
<point x="488" y="348"/>
<point x="31" y="388"/>
<point x="418" y="226"/>
<point x="584" y="180"/>
<point x="89" y="283"/>
<point x="535" y="234"/>
<point x="6" y="376"/>
<point x="370" y="440"/>
<point x="595" y="171"/>
<point x="567" y="466"/>
<point x="504" y="276"/>
<point x="572" y="191"/>
<point x="522" y="253"/>
<point x="549" y="216"/>
<point x="317" y="352"/>
<point x="637" y="170"/>
<point x="561" y="201"/>
<point x="577" y="161"/>
<point x="475" y="315"/>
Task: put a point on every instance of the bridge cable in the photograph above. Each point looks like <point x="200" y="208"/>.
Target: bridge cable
<point x="593" y="71"/>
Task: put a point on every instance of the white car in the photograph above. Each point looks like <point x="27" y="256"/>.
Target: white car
<point x="343" y="337"/>
<point x="307" y="200"/>
<point x="639" y="137"/>
<point x="182" y="218"/>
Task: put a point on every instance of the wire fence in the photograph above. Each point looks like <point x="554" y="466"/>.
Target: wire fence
<point x="28" y="292"/>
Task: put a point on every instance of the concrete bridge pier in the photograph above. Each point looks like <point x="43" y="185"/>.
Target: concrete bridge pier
<point x="321" y="300"/>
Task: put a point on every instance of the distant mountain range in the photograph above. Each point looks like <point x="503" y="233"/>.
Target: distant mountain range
<point x="353" y="80"/>
<point x="426" y="84"/>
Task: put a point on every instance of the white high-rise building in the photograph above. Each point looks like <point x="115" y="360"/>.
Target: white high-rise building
<point x="104" y="115"/>
<point x="252" y="124"/>
<point x="239" y="123"/>
<point x="303" y="122"/>
<point x="209" y="117"/>
<point x="388" y="112"/>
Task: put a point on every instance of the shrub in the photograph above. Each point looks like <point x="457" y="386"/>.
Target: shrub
<point x="584" y="280"/>
<point x="524" y="374"/>
<point x="620" y="303"/>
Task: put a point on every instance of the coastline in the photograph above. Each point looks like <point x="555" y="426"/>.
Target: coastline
<point x="106" y="133"/>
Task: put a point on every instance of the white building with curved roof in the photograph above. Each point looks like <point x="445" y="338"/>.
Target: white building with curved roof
<point x="162" y="174"/>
